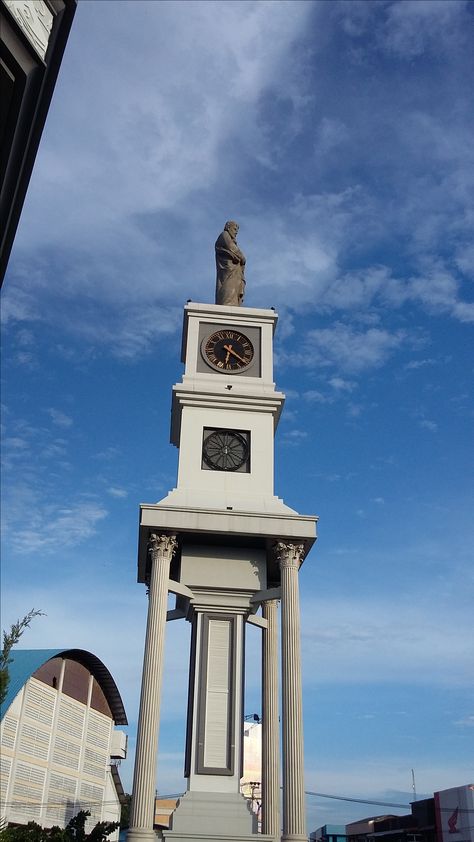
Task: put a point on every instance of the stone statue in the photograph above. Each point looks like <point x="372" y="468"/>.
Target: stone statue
<point x="230" y="265"/>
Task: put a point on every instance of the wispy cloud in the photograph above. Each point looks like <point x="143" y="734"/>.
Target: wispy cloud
<point x="52" y="527"/>
<point x="294" y="436"/>
<point x="468" y="721"/>
<point x="383" y="179"/>
<point x="316" y="396"/>
<point x="415" y="364"/>
<point x="394" y="640"/>
<point x="411" y="29"/>
<point x="108" y="455"/>
<point x="349" y="349"/>
<point x="36" y="470"/>
<point x="60" y="419"/>
<point x="341" y="385"/>
<point x="120" y="493"/>
<point x="137" y="278"/>
<point x="427" y="424"/>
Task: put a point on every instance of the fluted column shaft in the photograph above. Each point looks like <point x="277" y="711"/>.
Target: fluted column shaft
<point x="290" y="557"/>
<point x="270" y="723"/>
<point x="161" y="549"/>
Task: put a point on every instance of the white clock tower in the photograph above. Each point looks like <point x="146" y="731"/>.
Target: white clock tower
<point x="226" y="546"/>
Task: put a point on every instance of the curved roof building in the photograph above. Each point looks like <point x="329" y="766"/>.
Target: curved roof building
<point x="59" y="744"/>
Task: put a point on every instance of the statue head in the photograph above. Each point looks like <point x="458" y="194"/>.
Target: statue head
<point x="232" y="227"/>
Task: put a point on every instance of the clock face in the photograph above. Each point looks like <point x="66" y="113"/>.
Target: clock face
<point x="225" y="450"/>
<point x="228" y="350"/>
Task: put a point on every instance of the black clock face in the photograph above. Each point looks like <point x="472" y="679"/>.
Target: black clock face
<point x="225" y="450"/>
<point x="228" y="350"/>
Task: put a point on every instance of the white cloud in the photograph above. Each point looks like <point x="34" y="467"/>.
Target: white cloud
<point x="26" y="358"/>
<point x="438" y="290"/>
<point x="405" y="30"/>
<point x="168" y="139"/>
<point x="411" y="29"/>
<point x="331" y="134"/>
<point x="356" y="290"/>
<point x="53" y="527"/>
<point x="15" y="443"/>
<point x="60" y="419"/>
<point x="341" y="385"/>
<point x="315" y="396"/>
<point x="348" y="349"/>
<point x="414" y="364"/>
<point x="355" y="409"/>
<point x="468" y="721"/>
<point x="294" y="437"/>
<point x="429" y="425"/>
<point x="165" y="162"/>
<point x="108" y="455"/>
<point x="121" y="226"/>
<point x="25" y="338"/>
<point x="117" y="492"/>
<point x="464" y="258"/>
<point x="330" y="477"/>
<point x="394" y="640"/>
<point x="36" y="472"/>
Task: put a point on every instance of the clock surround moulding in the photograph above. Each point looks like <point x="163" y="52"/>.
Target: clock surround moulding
<point x="228" y="351"/>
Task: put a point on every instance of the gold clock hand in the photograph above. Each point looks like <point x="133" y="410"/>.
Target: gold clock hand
<point x="230" y="350"/>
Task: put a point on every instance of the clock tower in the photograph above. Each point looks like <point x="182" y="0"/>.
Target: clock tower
<point x="230" y="550"/>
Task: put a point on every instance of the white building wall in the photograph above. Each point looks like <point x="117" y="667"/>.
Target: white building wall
<point x="55" y="759"/>
<point x="454" y="810"/>
<point x="251" y="781"/>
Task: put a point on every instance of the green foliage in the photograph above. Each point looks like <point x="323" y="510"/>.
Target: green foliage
<point x="9" y="640"/>
<point x="75" y="831"/>
<point x="31" y="832"/>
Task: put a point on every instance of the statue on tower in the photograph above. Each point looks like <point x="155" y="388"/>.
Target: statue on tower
<point x="230" y="265"/>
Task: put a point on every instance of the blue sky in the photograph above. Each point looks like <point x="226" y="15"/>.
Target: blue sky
<point x="339" y="135"/>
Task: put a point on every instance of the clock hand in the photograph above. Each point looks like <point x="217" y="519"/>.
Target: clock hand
<point x="227" y="357"/>
<point x="229" y="350"/>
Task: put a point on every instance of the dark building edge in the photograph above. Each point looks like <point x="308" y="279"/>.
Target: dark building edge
<point x="35" y="91"/>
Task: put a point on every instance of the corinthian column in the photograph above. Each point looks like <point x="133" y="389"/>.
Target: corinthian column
<point x="161" y="549"/>
<point x="270" y="725"/>
<point x="289" y="558"/>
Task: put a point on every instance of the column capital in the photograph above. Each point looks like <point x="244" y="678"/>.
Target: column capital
<point x="272" y="603"/>
<point x="164" y="545"/>
<point x="289" y="555"/>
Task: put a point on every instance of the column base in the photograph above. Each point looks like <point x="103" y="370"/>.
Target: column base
<point x="173" y="836"/>
<point x="213" y="817"/>
<point x="141" y="834"/>
<point x="177" y="836"/>
<point x="294" y="837"/>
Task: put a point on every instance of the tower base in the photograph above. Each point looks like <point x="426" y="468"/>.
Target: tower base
<point x="213" y="817"/>
<point x="216" y="837"/>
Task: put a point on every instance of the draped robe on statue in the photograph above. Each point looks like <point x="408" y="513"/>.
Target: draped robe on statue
<point x="230" y="263"/>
